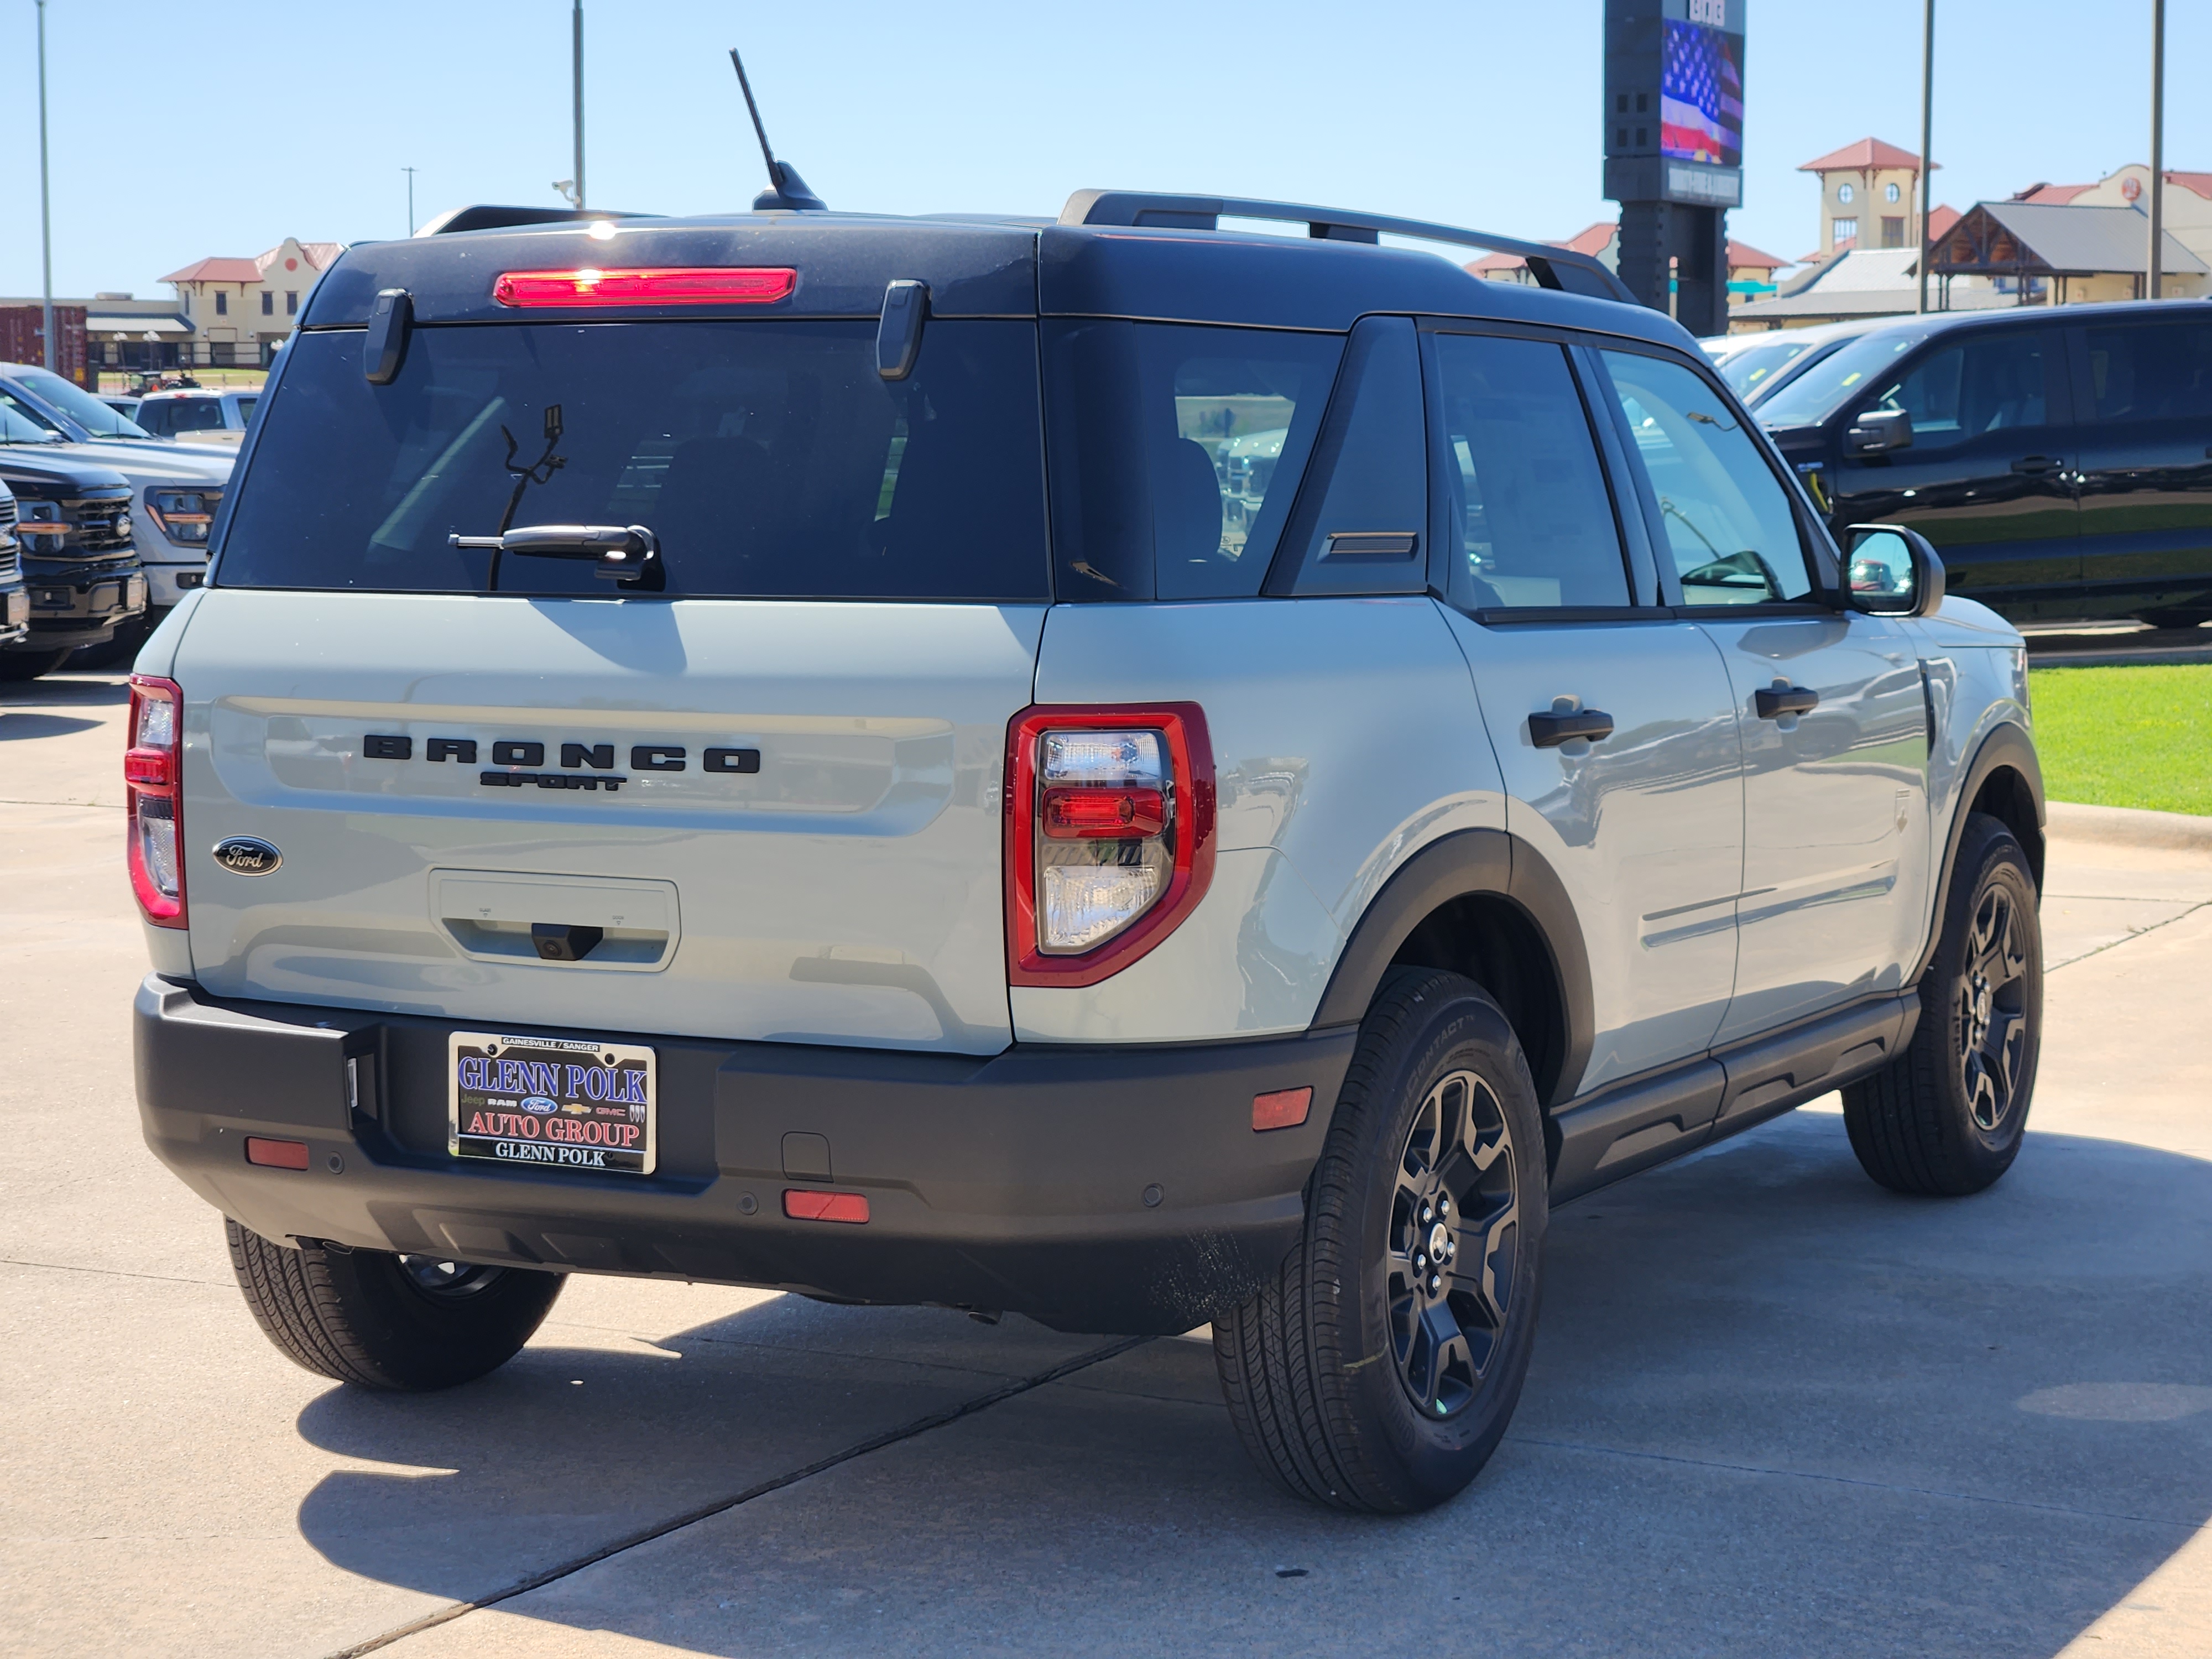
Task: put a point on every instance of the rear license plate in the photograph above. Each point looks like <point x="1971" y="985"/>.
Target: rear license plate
<point x="554" y="1103"/>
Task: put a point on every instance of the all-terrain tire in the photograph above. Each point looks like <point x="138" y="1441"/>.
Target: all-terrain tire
<point x="1320" y="1368"/>
<point x="30" y="664"/>
<point x="385" y="1321"/>
<point x="1945" y="1117"/>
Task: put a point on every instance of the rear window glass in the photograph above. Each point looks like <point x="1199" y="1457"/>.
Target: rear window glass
<point x="769" y="458"/>
<point x="1177" y="450"/>
<point x="173" y="414"/>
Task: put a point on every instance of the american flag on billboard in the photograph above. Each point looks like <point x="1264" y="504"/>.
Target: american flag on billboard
<point x="1701" y="97"/>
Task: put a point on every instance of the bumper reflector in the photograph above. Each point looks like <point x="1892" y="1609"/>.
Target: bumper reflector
<point x="277" y="1154"/>
<point x="801" y="1205"/>
<point x="1286" y="1109"/>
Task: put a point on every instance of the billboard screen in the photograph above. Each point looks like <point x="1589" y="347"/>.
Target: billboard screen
<point x="1701" y="94"/>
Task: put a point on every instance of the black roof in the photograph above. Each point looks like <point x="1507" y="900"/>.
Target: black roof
<point x="2079" y="312"/>
<point x="977" y="267"/>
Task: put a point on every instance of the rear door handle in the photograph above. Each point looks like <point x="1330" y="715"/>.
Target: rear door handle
<point x="1550" y="731"/>
<point x="1773" y="704"/>
<point x="2033" y="465"/>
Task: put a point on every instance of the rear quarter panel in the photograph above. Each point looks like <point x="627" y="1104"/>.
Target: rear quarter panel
<point x="1345" y="739"/>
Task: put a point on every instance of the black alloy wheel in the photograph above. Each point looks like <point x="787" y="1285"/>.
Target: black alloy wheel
<point x="1377" y="1368"/>
<point x="1946" y="1117"/>
<point x="1989" y="1009"/>
<point x="450" y="1281"/>
<point x="1455" y="1224"/>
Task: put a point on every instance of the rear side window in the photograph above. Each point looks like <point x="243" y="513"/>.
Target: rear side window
<point x="1728" y="519"/>
<point x="1532" y="522"/>
<point x="1994" y="384"/>
<point x="1175" y="452"/>
<point x="769" y="458"/>
<point x="2150" y="372"/>
<point x="174" y="415"/>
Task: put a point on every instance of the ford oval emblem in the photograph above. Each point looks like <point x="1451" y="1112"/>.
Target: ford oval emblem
<point x="247" y="855"/>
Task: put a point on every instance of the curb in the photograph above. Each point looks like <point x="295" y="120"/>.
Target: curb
<point x="2129" y="826"/>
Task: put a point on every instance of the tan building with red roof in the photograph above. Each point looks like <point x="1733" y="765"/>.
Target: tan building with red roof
<point x="2186" y="212"/>
<point x="1870" y="196"/>
<point x="240" y="309"/>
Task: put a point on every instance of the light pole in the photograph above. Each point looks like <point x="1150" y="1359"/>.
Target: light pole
<point x="1927" y="143"/>
<point x="45" y="216"/>
<point x="576" y="35"/>
<point x="2157" y="143"/>
<point x="410" y="172"/>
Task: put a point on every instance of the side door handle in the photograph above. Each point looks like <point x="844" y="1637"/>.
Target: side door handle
<point x="1781" y="700"/>
<point x="2036" y="465"/>
<point x="1550" y="731"/>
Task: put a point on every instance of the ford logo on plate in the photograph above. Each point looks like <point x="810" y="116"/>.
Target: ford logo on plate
<point x="539" y="1103"/>
<point x="247" y="855"/>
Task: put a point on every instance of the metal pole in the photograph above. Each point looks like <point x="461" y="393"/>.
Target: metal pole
<point x="2157" y="143"/>
<point x="577" y="21"/>
<point x="1927" y="145"/>
<point x="45" y="217"/>
<point x="410" y="172"/>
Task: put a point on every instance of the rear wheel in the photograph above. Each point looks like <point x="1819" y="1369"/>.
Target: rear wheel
<point x="2177" y="618"/>
<point x="29" y="664"/>
<point x="1379" y="1370"/>
<point x="1945" y="1117"/>
<point x="398" y="1322"/>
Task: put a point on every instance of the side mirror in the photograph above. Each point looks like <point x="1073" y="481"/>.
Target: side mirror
<point x="1890" y="571"/>
<point x="1878" y="431"/>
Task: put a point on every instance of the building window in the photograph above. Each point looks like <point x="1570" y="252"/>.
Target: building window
<point x="1892" y="232"/>
<point x="1844" y="194"/>
<point x="268" y="303"/>
<point x="1889" y="193"/>
<point x="1842" y="230"/>
<point x="221" y="303"/>
<point x="291" y="304"/>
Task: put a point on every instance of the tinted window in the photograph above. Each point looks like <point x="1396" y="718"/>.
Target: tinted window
<point x="2151" y="372"/>
<point x="1991" y="384"/>
<point x="168" y="416"/>
<point x="1728" y="519"/>
<point x="1532" y="522"/>
<point x="22" y="424"/>
<point x="1175" y="452"/>
<point x="769" y="458"/>
<point x="1364" y="534"/>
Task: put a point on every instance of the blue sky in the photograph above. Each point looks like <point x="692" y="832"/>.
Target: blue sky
<point x="183" y="132"/>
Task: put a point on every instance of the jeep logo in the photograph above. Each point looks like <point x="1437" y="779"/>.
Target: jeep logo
<point x="588" y="766"/>
<point x="247" y="855"/>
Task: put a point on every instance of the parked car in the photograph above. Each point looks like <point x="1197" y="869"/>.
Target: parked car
<point x="126" y="406"/>
<point x="15" y="596"/>
<point x="2059" y="458"/>
<point x="176" y="489"/>
<point x="688" y="799"/>
<point x="197" y="417"/>
<point x="74" y="531"/>
<point x="1762" y="362"/>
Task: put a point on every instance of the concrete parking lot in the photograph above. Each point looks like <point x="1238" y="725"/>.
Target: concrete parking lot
<point x="1774" y="1410"/>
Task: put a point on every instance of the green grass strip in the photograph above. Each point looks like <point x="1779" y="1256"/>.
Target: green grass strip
<point x="2126" y="737"/>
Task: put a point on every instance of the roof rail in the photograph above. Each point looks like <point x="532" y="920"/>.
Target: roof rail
<point x="486" y="217"/>
<point x="1552" y="267"/>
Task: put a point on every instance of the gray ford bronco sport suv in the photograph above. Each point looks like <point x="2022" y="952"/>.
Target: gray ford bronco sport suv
<point x="1115" y="769"/>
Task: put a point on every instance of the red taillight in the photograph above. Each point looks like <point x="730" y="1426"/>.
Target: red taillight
<point x="688" y="286"/>
<point x="153" y="805"/>
<point x="802" y="1205"/>
<point x="1109" y="836"/>
<point x="1096" y="814"/>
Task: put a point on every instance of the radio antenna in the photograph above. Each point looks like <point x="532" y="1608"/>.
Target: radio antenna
<point x="787" y="191"/>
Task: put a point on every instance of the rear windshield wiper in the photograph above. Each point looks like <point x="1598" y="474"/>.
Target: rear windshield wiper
<point x="629" y="555"/>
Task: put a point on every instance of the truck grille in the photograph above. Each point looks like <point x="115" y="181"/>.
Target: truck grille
<point x="103" y="523"/>
<point x="11" y="562"/>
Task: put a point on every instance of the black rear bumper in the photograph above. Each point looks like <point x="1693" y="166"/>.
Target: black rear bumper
<point x="1018" y="1182"/>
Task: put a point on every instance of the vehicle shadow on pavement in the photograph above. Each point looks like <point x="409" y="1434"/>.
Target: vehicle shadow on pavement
<point x="54" y="690"/>
<point x="15" y="726"/>
<point x="1774" y="1410"/>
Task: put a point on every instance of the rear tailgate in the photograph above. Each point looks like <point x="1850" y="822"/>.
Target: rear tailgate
<point x="834" y="879"/>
